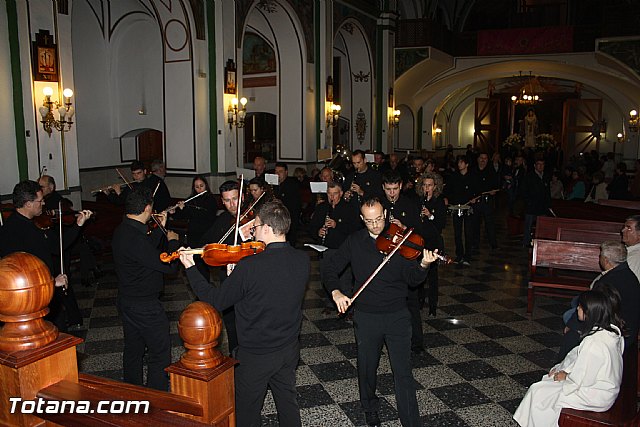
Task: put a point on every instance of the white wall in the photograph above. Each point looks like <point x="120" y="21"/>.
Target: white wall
<point x="8" y="153"/>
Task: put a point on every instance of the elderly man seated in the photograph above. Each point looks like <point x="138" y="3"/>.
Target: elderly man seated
<point x="617" y="274"/>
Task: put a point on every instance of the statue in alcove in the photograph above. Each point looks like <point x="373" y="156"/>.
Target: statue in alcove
<point x="529" y="128"/>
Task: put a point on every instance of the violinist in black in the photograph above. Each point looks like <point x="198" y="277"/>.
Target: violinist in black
<point x="229" y="192"/>
<point x="20" y="234"/>
<point x="403" y="212"/>
<point x="161" y="199"/>
<point x="330" y="224"/>
<point x="461" y="188"/>
<point x="364" y="182"/>
<point x="433" y="214"/>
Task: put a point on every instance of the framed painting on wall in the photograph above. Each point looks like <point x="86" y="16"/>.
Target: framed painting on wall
<point x="230" y="77"/>
<point x="44" y="58"/>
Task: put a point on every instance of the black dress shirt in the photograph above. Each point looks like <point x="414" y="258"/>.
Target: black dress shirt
<point x="460" y="189"/>
<point x="388" y="291"/>
<point x="404" y="210"/>
<point x="432" y="227"/>
<point x="137" y="260"/>
<point x="267" y="290"/>
<point x="347" y="221"/>
<point x="288" y="191"/>
<point x="20" y="234"/>
<point x="370" y="181"/>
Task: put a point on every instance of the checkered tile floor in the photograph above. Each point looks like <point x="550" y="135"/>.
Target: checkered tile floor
<point x="482" y="349"/>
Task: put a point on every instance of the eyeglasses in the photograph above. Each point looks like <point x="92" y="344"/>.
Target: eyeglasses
<point x="253" y="229"/>
<point x="374" y="221"/>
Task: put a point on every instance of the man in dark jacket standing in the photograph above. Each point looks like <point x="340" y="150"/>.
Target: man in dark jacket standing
<point x="537" y="197"/>
<point x="288" y="190"/>
<point x="381" y="315"/>
<point x="267" y="290"/>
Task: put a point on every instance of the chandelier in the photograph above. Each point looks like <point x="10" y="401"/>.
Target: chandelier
<point x="65" y="111"/>
<point x="528" y="93"/>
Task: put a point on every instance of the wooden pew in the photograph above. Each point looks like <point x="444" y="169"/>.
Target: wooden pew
<point x="589" y="211"/>
<point x="547" y="227"/>
<point x="623" y="412"/>
<point x="560" y="268"/>
<point x="625" y="204"/>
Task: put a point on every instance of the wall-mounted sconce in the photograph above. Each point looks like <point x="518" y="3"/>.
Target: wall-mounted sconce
<point x="236" y="116"/>
<point x="394" y="120"/>
<point x="333" y="114"/>
<point x="634" y="122"/>
<point x="65" y="111"/>
<point x="621" y="137"/>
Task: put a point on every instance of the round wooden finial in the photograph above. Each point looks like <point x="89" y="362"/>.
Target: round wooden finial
<point x="199" y="327"/>
<point x="26" y="288"/>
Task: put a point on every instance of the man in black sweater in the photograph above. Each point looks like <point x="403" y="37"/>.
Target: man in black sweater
<point x="161" y="199"/>
<point x="483" y="209"/>
<point x="267" y="291"/>
<point x="137" y="262"/>
<point x="461" y="188"/>
<point x="364" y="182"/>
<point x="330" y="224"/>
<point x="537" y="197"/>
<point x="381" y="314"/>
<point x="20" y="234"/>
<point x="288" y="191"/>
<point x="230" y="196"/>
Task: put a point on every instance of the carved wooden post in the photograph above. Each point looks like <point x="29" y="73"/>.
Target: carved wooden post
<point x="32" y="354"/>
<point x="203" y="373"/>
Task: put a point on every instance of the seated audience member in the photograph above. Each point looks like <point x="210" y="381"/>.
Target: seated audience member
<point x="589" y="377"/>
<point x="617" y="274"/>
<point x="635" y="182"/>
<point x="631" y="237"/>
<point x="576" y="187"/>
<point x="556" y="187"/>
<point x="598" y="189"/>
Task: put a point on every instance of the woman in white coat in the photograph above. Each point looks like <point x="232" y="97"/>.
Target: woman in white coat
<point x="589" y="377"/>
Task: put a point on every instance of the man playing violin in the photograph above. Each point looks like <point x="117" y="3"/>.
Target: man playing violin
<point x="267" y="290"/>
<point x="21" y="234"/>
<point x="88" y="265"/>
<point x="140" y="280"/>
<point x="230" y="195"/>
<point x="381" y="314"/>
<point x="161" y="198"/>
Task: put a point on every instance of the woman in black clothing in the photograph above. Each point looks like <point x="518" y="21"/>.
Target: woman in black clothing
<point x="433" y="214"/>
<point x="619" y="187"/>
<point x="257" y="187"/>
<point x="201" y="214"/>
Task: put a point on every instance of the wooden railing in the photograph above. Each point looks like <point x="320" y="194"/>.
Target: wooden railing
<point x="38" y="364"/>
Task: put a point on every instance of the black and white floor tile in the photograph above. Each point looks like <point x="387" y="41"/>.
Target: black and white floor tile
<point x="482" y="350"/>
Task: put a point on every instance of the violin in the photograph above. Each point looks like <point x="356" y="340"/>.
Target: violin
<point x="410" y="249"/>
<point x="218" y="254"/>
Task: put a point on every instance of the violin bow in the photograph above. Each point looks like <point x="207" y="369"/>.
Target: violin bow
<point x="235" y="238"/>
<point x="64" y="288"/>
<point x="158" y="223"/>
<point x="246" y="212"/>
<point x="124" y="179"/>
<point x="382" y="264"/>
<point x="185" y="202"/>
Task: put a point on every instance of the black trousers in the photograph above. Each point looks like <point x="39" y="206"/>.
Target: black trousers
<point x="463" y="250"/>
<point x="432" y="283"/>
<point x="277" y="370"/>
<point x="484" y="211"/>
<point x="145" y="325"/>
<point x="372" y="330"/>
<point x="413" y="304"/>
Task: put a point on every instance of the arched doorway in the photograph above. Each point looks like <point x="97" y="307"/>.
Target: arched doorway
<point x="260" y="137"/>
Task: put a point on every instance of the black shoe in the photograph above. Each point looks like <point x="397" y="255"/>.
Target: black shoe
<point x="432" y="312"/>
<point x="372" y="418"/>
<point x="417" y="349"/>
<point x="75" y="327"/>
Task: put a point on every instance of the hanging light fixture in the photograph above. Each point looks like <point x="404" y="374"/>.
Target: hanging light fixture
<point x="528" y="94"/>
<point x="634" y="121"/>
<point x="65" y="111"/>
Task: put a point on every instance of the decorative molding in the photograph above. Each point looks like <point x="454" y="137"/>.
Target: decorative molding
<point x="267" y="81"/>
<point x="269" y="6"/>
<point x="361" y="77"/>
<point x="348" y="27"/>
<point x="361" y="126"/>
<point x="197" y="9"/>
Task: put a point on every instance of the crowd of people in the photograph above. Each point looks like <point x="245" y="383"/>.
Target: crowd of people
<point x="362" y="200"/>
